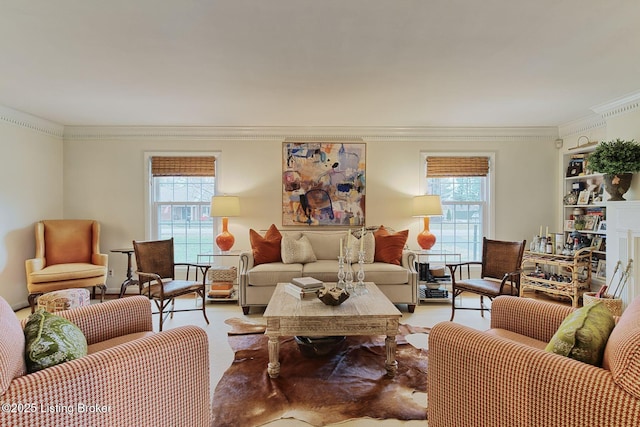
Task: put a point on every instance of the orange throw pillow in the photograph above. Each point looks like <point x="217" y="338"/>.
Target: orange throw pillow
<point x="389" y="247"/>
<point x="266" y="249"/>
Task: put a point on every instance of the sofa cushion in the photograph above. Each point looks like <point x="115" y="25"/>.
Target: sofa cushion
<point x="274" y="272"/>
<point x="368" y="246"/>
<point x="266" y="249"/>
<point x="622" y="353"/>
<point x="324" y="269"/>
<point x="389" y="247"/>
<point x="583" y="334"/>
<point x="382" y="273"/>
<point x="51" y="340"/>
<point x="12" y="364"/>
<point x="326" y="244"/>
<point x="296" y="250"/>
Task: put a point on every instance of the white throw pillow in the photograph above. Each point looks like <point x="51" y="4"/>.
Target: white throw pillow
<point x="295" y="250"/>
<point x="368" y="246"/>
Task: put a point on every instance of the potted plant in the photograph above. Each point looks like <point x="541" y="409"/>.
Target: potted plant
<point x="618" y="160"/>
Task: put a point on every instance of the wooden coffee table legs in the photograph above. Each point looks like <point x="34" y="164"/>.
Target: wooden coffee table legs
<point x="274" y="355"/>
<point x="273" y="368"/>
<point x="391" y="364"/>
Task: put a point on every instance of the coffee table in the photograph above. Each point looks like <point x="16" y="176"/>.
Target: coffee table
<point x="368" y="314"/>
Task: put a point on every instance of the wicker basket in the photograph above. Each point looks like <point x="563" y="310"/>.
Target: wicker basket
<point x="222" y="274"/>
<point x="613" y="304"/>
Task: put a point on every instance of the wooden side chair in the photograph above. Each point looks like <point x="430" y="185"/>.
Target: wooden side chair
<point x="500" y="274"/>
<point x="156" y="270"/>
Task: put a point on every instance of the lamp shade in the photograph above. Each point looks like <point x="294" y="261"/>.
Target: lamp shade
<point x="225" y="206"/>
<point x="426" y="205"/>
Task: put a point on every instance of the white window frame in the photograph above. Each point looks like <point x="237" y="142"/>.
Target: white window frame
<point x="488" y="214"/>
<point x="150" y="217"/>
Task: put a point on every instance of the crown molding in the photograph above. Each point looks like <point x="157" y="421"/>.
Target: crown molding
<point x="281" y="133"/>
<point x="618" y="106"/>
<point x="582" y="125"/>
<point x="18" y="118"/>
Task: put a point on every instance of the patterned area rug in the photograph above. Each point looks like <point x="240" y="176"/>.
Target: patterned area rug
<point x="350" y="382"/>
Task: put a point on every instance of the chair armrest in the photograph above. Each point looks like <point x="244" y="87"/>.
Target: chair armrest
<point x="409" y="261"/>
<point x="34" y="264"/>
<point x="100" y="259"/>
<point x="529" y="317"/>
<point x="100" y="322"/>
<point x="494" y="381"/>
<point x="459" y="267"/>
<point x="161" y="379"/>
<point x="203" y="268"/>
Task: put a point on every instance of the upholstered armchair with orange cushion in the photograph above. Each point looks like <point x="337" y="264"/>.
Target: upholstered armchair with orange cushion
<point x="131" y="376"/>
<point x="505" y="377"/>
<point x="67" y="256"/>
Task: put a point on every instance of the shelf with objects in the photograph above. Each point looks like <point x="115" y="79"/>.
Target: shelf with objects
<point x="559" y="275"/>
<point x="433" y="278"/>
<point x="222" y="276"/>
<point x="584" y="210"/>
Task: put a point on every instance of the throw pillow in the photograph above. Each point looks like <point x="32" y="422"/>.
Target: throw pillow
<point x="389" y="247"/>
<point x="297" y="250"/>
<point x="266" y="249"/>
<point x="368" y="246"/>
<point x="51" y="340"/>
<point x="583" y="334"/>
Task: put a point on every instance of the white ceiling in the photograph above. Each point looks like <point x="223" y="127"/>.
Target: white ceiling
<point x="317" y="62"/>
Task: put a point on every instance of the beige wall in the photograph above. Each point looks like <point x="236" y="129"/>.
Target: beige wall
<point x="626" y="126"/>
<point x="104" y="179"/>
<point x="30" y="190"/>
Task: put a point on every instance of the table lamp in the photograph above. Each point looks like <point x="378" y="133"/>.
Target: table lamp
<point x="225" y="206"/>
<point x="426" y="206"/>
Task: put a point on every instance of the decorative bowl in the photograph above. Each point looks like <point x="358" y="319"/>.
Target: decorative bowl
<point x="333" y="296"/>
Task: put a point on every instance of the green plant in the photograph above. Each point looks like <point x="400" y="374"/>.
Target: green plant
<point x="615" y="157"/>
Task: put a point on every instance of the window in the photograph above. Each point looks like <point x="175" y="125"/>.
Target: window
<point x="463" y="185"/>
<point x="181" y="191"/>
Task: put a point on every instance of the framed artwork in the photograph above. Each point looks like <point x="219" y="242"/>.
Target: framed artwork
<point x="601" y="271"/>
<point x="574" y="168"/>
<point x="323" y="183"/>
<point x="569" y="224"/>
<point x="602" y="226"/>
<point x="597" y="243"/>
<point x="590" y="222"/>
<point x="583" y="197"/>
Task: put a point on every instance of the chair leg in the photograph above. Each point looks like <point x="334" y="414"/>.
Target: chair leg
<point x="103" y="290"/>
<point x="453" y="304"/>
<point x="32" y="301"/>
<point x="481" y="306"/>
<point x="204" y="308"/>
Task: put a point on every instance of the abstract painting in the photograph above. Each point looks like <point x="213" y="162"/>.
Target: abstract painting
<point x="323" y="183"/>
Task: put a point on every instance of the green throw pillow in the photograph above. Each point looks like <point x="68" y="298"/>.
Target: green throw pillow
<point x="583" y="334"/>
<point x="51" y="340"/>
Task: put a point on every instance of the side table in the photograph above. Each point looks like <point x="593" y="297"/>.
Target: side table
<point x="439" y="293"/>
<point x="129" y="280"/>
<point x="211" y="259"/>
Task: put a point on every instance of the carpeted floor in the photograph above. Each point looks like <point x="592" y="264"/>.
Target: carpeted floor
<point x="348" y="383"/>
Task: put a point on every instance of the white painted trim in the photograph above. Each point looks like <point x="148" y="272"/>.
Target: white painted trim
<point x="582" y="126"/>
<point x="280" y="133"/>
<point x="18" y="118"/>
<point x="618" y="106"/>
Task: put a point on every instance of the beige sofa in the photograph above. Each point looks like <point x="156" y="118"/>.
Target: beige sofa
<point x="257" y="282"/>
<point x="504" y="377"/>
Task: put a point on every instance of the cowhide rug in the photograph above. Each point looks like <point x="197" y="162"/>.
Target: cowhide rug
<point x="349" y="383"/>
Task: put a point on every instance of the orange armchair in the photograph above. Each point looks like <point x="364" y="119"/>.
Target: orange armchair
<point x="67" y="256"/>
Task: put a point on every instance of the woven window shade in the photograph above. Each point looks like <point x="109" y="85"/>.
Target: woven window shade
<point x="183" y="166"/>
<point x="439" y="167"/>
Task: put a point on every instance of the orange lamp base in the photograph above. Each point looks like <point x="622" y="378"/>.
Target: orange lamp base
<point x="225" y="240"/>
<point x="426" y="239"/>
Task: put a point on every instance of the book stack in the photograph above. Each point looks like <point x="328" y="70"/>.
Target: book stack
<point x="303" y="287"/>
<point x="221" y="290"/>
